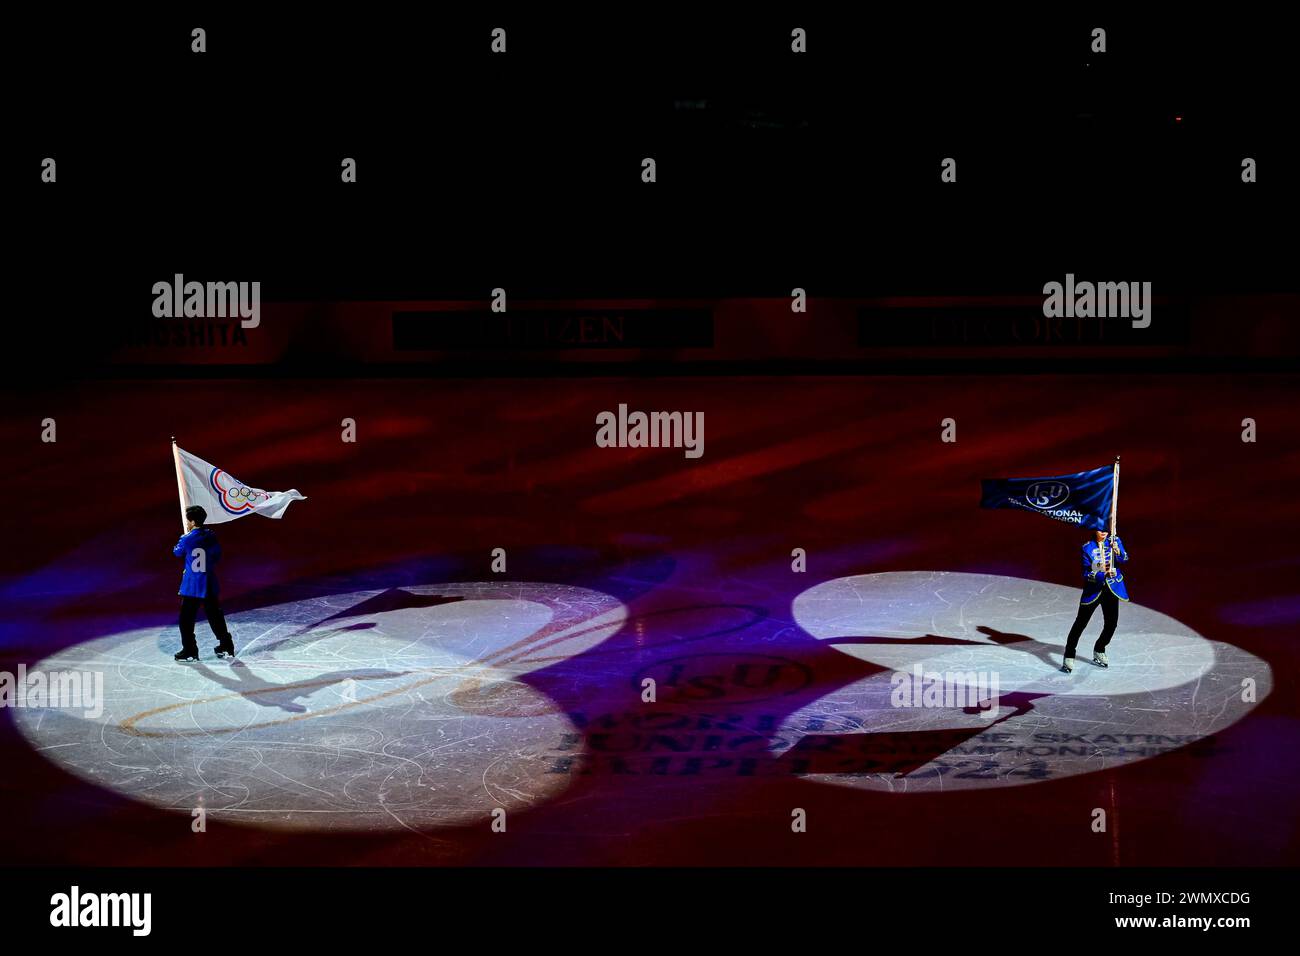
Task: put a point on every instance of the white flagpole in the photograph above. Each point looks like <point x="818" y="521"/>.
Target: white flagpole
<point x="180" y="485"/>
<point x="1114" y="509"/>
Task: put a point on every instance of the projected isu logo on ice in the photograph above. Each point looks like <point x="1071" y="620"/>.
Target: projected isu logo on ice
<point x="234" y="497"/>
<point x="1047" y="494"/>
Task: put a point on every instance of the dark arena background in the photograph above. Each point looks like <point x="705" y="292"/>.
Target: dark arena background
<point x="498" y="636"/>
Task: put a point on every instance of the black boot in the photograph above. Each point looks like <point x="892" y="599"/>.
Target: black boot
<point x="187" y="654"/>
<point x="225" y="648"/>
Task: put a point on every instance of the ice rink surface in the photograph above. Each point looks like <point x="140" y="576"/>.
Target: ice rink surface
<point x="393" y="694"/>
<point x="410" y="707"/>
<point x="398" y="708"/>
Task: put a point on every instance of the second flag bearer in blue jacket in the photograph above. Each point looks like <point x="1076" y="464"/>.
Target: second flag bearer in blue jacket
<point x="1103" y="586"/>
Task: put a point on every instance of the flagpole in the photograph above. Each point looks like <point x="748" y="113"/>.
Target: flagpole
<point x="1114" y="509"/>
<point x="180" y="485"/>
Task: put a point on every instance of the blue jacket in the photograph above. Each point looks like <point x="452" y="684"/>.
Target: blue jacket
<point x="1095" y="578"/>
<point x="199" y="583"/>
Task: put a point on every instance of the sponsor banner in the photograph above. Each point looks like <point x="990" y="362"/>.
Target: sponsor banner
<point x="327" y="336"/>
<point x="593" y="328"/>
<point x="1020" y="324"/>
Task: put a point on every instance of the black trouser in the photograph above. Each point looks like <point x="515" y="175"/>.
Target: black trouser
<point x="190" y="612"/>
<point x="1109" y="616"/>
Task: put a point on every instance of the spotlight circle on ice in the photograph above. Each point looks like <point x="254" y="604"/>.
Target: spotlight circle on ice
<point x="964" y="690"/>
<point x="369" y="710"/>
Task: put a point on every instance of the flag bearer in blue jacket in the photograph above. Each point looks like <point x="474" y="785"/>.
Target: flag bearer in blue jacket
<point x="201" y="551"/>
<point x="1104" y="586"/>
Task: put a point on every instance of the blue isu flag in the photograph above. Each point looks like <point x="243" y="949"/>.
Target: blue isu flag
<point x="1081" y="499"/>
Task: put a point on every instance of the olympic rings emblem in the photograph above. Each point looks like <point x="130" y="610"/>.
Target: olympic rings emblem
<point x="235" y="498"/>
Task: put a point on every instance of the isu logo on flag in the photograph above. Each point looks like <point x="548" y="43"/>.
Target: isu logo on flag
<point x="1047" y="494"/>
